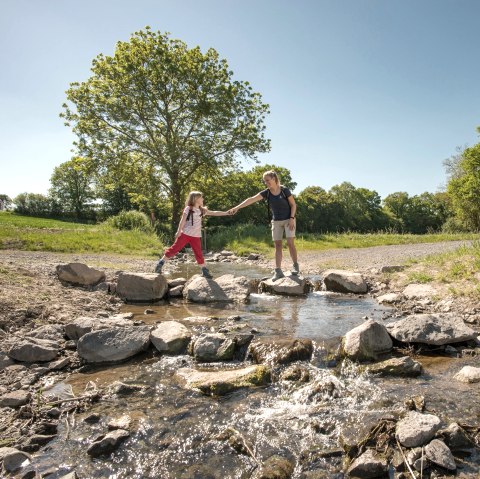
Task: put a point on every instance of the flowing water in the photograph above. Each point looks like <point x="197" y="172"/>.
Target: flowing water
<point x="177" y="433"/>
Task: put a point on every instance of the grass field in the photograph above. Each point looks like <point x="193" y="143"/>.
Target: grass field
<point x="42" y="234"/>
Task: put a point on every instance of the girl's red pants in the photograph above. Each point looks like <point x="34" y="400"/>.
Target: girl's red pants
<point x="183" y="240"/>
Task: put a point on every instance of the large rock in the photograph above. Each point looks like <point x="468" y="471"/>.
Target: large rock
<point x="405" y="366"/>
<point x="106" y="444"/>
<point x="468" y="374"/>
<point x="32" y="350"/>
<point x="419" y="291"/>
<point x="213" y="347"/>
<point x="439" y="453"/>
<point x="456" y="438"/>
<point x="83" y="325"/>
<point x="416" y="429"/>
<point x="171" y="337"/>
<point x="79" y="274"/>
<point x="434" y="329"/>
<point x="226" y="288"/>
<point x="5" y="361"/>
<point x="141" y="287"/>
<point x="344" y="281"/>
<point x="220" y="382"/>
<point x="275" y="467"/>
<point x="15" y="459"/>
<point x="288" y="286"/>
<point x="367" y="341"/>
<point x="281" y="351"/>
<point x="15" y="398"/>
<point x="369" y="465"/>
<point x="116" y="344"/>
<point x="389" y="298"/>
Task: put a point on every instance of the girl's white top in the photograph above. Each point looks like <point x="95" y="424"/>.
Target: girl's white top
<point x="196" y="228"/>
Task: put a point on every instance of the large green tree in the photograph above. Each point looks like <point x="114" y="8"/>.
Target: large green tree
<point x="162" y="112"/>
<point x="464" y="187"/>
<point x="72" y="186"/>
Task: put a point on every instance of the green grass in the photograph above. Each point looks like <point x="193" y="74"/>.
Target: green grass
<point x="42" y="234"/>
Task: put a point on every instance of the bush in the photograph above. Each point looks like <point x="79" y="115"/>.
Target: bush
<point x="131" y="220"/>
<point x="454" y="225"/>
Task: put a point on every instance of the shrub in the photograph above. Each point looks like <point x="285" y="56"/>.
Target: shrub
<point x="131" y="220"/>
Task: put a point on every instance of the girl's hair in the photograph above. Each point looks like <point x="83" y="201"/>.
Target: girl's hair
<point x="192" y="197"/>
<point x="273" y="175"/>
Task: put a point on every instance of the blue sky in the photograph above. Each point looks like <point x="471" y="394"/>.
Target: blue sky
<point x="374" y="92"/>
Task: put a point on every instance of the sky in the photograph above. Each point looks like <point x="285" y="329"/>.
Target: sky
<point x="374" y="92"/>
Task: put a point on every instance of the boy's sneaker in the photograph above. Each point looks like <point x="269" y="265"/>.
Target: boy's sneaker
<point x="278" y="273"/>
<point x="158" y="268"/>
<point x="206" y="273"/>
<point x="295" y="269"/>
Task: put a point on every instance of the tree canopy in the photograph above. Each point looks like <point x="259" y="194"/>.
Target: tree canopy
<point x="157" y="113"/>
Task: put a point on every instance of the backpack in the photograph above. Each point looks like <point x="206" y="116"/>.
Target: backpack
<point x="190" y="214"/>
<point x="282" y="195"/>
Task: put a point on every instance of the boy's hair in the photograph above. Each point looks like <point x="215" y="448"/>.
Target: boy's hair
<point x="192" y="197"/>
<point x="273" y="175"/>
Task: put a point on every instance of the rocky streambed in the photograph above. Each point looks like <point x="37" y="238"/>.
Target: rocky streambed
<point x="301" y="379"/>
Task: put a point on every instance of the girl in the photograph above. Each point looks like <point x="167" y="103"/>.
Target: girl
<point x="189" y="231"/>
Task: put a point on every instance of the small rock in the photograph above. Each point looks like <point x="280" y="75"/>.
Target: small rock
<point x="369" y="465"/>
<point x="416" y="429"/>
<point x="59" y="364"/>
<point x="14" y="460"/>
<point x="439" y="453"/>
<point x="104" y="445"/>
<point x="15" y="398"/>
<point x="456" y="438"/>
<point x="149" y="311"/>
<point x="275" y="467"/>
<point x="122" y="422"/>
<point x="405" y="366"/>
<point x="468" y="374"/>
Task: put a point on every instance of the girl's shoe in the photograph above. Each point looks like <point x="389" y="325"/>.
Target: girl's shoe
<point x="158" y="268"/>
<point x="206" y="273"/>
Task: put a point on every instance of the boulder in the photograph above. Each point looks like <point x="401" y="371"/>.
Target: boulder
<point x="111" y="345"/>
<point x="434" y="329"/>
<point x="141" y="287"/>
<point x="171" y="337"/>
<point x="281" y="351"/>
<point x="79" y="274"/>
<point x="416" y="429"/>
<point x="367" y="341"/>
<point x="15" y="398"/>
<point x="83" y="325"/>
<point x="212" y="347"/>
<point x="344" y="281"/>
<point x="439" y="453"/>
<point x="389" y="298"/>
<point x="419" y="291"/>
<point x="468" y="374"/>
<point x="32" y="350"/>
<point x="369" y="465"/>
<point x="405" y="366"/>
<point x="176" y="292"/>
<point x="219" y="383"/>
<point x="226" y="288"/>
<point x="173" y="283"/>
<point x="288" y="286"/>
<point x="108" y="443"/>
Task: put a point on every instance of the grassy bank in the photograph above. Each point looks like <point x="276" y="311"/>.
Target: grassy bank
<point x="459" y="269"/>
<point x="43" y="234"/>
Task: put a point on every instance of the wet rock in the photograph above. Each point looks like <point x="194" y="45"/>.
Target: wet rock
<point x="4" y="451"/>
<point x="70" y="475"/>
<point x="296" y="374"/>
<point x="93" y="418"/>
<point x="416" y="429"/>
<point x="83" y="325"/>
<point x="176" y="292"/>
<point x="419" y="291"/>
<point x="281" y="351"/>
<point x="171" y="337"/>
<point x="123" y="389"/>
<point x="456" y="438"/>
<point x="369" y="465"/>
<point x="439" y="453"/>
<point x="104" y="445"/>
<point x="15" y="398"/>
<point x="389" y="298"/>
<point x="405" y="366"/>
<point x="142" y="287"/>
<point x="174" y="283"/>
<point x="219" y="383"/>
<point x="123" y="422"/>
<point x="34" y="350"/>
<point x="79" y="274"/>
<point x="287" y="286"/>
<point x="344" y="281"/>
<point x="468" y="374"/>
<point x="226" y="288"/>
<point x="213" y="347"/>
<point x="110" y="345"/>
<point x="14" y="460"/>
<point x="275" y="467"/>
<point x="54" y="412"/>
<point x="367" y="341"/>
<point x="434" y="329"/>
<point x="35" y="442"/>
